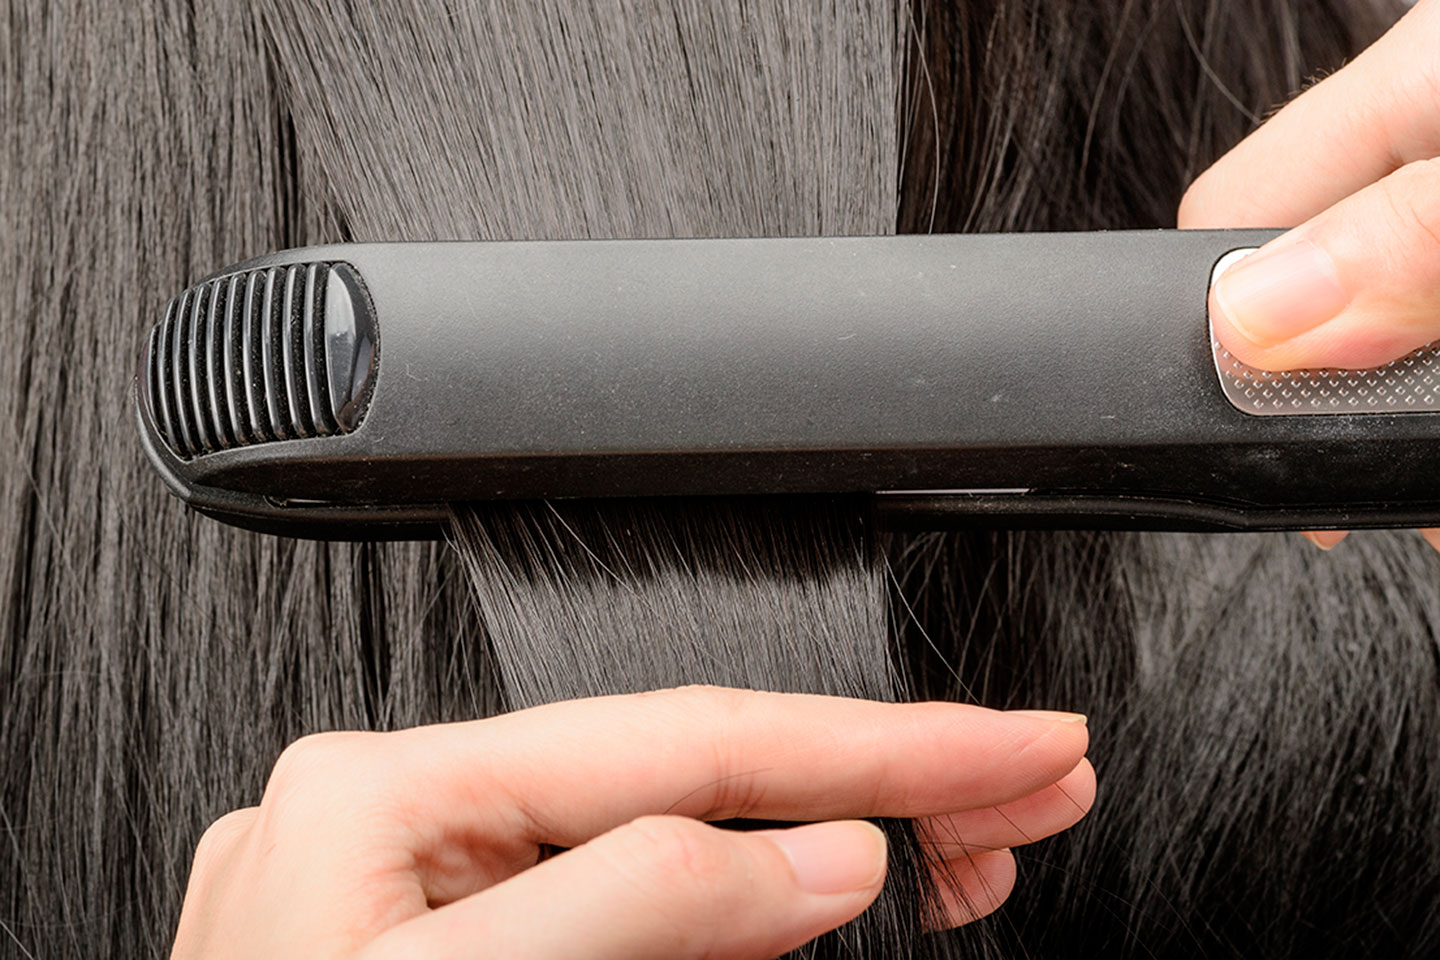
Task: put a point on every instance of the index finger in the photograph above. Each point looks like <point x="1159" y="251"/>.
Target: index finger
<point x="571" y="771"/>
<point x="1379" y="113"/>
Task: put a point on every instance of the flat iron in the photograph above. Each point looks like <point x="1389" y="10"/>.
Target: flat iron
<point x="1025" y="380"/>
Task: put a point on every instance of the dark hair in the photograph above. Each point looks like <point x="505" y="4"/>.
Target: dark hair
<point x="1265" y="717"/>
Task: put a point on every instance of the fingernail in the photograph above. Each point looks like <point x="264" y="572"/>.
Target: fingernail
<point x="1057" y="716"/>
<point x="1324" y="539"/>
<point x="1275" y="295"/>
<point x="842" y="856"/>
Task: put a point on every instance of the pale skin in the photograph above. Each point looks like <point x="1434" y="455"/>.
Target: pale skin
<point x="427" y="842"/>
<point x="1354" y="165"/>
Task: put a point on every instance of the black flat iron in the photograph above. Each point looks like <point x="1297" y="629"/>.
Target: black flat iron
<point x="1041" y="380"/>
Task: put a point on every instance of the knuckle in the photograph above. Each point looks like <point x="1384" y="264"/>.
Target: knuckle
<point x="718" y="725"/>
<point x="220" y="838"/>
<point x="1408" y="102"/>
<point x="314" y="753"/>
<point x="696" y="695"/>
<point x="1413" y="194"/>
<point x="296" y="764"/>
<point x="719" y="712"/>
<point x="685" y="858"/>
<point x="709" y="706"/>
<point x="712" y="704"/>
<point x="696" y="881"/>
<point x="327" y="766"/>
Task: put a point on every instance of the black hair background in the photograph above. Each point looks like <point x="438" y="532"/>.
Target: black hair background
<point x="1264" y="716"/>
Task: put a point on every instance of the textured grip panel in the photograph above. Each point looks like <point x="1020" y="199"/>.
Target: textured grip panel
<point x="1408" y="385"/>
<point x="241" y="359"/>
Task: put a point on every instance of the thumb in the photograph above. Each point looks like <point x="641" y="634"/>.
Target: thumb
<point x="1356" y="286"/>
<point x="663" y="887"/>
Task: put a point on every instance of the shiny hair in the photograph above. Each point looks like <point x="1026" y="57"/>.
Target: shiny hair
<point x="1265" y="717"/>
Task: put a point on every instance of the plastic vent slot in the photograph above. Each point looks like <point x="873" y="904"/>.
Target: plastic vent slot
<point x="241" y="359"/>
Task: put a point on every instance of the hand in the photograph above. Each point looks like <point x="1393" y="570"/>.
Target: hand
<point x="1353" y="161"/>
<point x="426" y="842"/>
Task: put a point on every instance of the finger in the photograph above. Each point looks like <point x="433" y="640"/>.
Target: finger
<point x="1042" y="814"/>
<point x="663" y="887"/>
<point x="210" y="871"/>
<point x="973" y="887"/>
<point x="1325" y="539"/>
<point x="1432" y="537"/>
<point x="1355" y="287"/>
<point x="1379" y="113"/>
<point x="220" y="838"/>
<point x="713" y="753"/>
